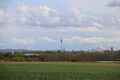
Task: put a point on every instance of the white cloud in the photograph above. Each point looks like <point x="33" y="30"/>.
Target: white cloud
<point x="74" y="11"/>
<point x="47" y="17"/>
<point x="45" y="10"/>
<point x="65" y="30"/>
<point x="55" y="20"/>
<point x="23" y="9"/>
<point x="37" y="15"/>
<point x="47" y="39"/>
<point x="2" y="15"/>
<point x="96" y="24"/>
<point x="6" y="17"/>
<point x="78" y="39"/>
<point x="74" y="29"/>
<point x="24" y="41"/>
<point x="74" y="17"/>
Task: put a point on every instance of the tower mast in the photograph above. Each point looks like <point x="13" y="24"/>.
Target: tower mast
<point x="61" y="44"/>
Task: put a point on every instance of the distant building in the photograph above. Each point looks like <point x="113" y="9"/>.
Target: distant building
<point x="98" y="50"/>
<point x="12" y="52"/>
<point x="113" y="49"/>
<point x="28" y="54"/>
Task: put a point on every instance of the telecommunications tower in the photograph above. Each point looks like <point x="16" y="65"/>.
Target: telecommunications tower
<point x="61" y="44"/>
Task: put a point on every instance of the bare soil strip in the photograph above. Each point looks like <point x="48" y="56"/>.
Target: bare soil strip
<point x="81" y="63"/>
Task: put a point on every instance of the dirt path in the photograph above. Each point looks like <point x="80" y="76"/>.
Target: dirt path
<point x="76" y="63"/>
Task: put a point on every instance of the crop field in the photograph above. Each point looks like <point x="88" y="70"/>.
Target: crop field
<point x="59" y="71"/>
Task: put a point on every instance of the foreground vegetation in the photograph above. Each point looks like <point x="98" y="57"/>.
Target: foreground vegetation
<point x="59" y="71"/>
<point x="73" y="56"/>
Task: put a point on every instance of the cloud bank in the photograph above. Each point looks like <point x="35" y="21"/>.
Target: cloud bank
<point x="114" y="3"/>
<point x="45" y="16"/>
<point x="43" y="25"/>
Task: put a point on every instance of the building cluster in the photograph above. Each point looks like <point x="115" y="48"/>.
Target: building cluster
<point x="102" y="49"/>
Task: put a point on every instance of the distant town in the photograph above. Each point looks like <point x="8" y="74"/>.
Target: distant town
<point x="98" y="49"/>
<point x="98" y="54"/>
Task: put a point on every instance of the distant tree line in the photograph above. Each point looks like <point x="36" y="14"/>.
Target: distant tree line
<point x="73" y="56"/>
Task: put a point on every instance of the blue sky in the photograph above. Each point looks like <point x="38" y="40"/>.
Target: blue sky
<point x="40" y="24"/>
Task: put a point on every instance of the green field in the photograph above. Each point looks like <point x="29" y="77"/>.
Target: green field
<point x="60" y="71"/>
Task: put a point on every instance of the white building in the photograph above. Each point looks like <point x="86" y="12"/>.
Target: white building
<point x="98" y="50"/>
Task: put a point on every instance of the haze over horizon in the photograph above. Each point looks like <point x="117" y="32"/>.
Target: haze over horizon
<point x="41" y="24"/>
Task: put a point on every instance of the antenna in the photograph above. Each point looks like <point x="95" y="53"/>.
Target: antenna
<point x="61" y="44"/>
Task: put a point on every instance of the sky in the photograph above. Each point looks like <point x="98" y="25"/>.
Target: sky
<point x="41" y="24"/>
